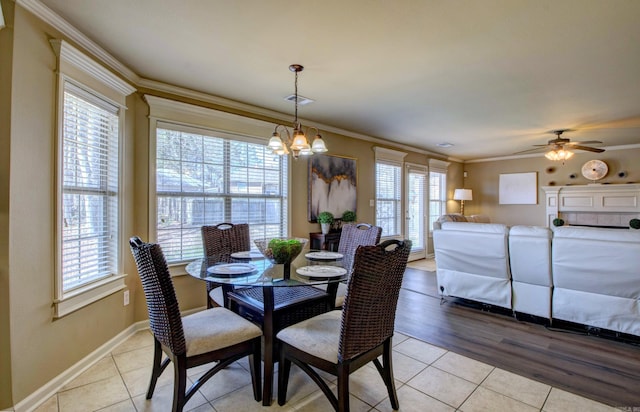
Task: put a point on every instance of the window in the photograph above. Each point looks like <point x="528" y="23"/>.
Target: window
<point x="437" y="190"/>
<point x="89" y="189"/>
<point x="204" y="177"/>
<point x="91" y="112"/>
<point x="388" y="207"/>
<point x="389" y="191"/>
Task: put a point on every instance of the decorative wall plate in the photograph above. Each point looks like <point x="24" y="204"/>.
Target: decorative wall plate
<point x="594" y="169"/>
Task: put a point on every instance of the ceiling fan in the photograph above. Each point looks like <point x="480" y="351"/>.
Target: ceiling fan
<point x="560" y="147"/>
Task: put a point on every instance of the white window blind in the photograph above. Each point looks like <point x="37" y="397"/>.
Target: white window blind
<point x="89" y="188"/>
<point x="204" y="178"/>
<point x="388" y="198"/>
<point x="437" y="196"/>
<point x="389" y="212"/>
<point x="437" y="190"/>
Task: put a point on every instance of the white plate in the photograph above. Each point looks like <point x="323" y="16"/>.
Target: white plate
<point x="231" y="269"/>
<point x="247" y="254"/>
<point x="321" y="271"/>
<point x="324" y="255"/>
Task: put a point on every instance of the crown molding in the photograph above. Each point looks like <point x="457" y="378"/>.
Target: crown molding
<point x="50" y="17"/>
<point x="68" y="54"/>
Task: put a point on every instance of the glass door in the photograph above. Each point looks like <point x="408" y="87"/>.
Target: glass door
<point x="415" y="209"/>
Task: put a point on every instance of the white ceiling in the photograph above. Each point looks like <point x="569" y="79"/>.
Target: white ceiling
<point x="492" y="77"/>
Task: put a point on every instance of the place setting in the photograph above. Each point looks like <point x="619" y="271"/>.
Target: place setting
<point x="231" y="269"/>
<point x="324" y="255"/>
<point x="321" y="271"/>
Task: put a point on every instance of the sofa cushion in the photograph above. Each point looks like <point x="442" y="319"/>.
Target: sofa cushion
<point x="472" y="262"/>
<point x="530" y="261"/>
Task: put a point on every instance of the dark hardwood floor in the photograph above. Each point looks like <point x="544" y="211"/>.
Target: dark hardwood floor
<point x="595" y="367"/>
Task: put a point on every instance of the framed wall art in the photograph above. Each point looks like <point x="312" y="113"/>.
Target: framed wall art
<point x="333" y="184"/>
<point x="518" y="188"/>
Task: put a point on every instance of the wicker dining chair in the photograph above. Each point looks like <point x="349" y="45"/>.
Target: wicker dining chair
<point x="222" y="240"/>
<point x="352" y="236"/>
<point x="211" y="335"/>
<point x="341" y="342"/>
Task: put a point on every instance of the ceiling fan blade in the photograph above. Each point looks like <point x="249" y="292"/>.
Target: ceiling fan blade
<point x="587" y="148"/>
<point x="585" y="142"/>
<point x="537" y="149"/>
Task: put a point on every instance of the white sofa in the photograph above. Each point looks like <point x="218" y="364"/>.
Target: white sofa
<point x="596" y="277"/>
<point x="530" y="261"/>
<point x="472" y="262"/>
<point x="584" y="275"/>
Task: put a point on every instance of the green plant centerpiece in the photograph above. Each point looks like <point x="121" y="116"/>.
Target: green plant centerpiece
<point x="281" y="250"/>
<point x="348" y="216"/>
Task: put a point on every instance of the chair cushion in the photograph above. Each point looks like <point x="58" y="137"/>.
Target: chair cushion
<point x="318" y="336"/>
<point x="214" y="329"/>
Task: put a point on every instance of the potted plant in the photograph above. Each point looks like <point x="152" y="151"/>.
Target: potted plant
<point x="325" y="219"/>
<point x="348" y="216"/>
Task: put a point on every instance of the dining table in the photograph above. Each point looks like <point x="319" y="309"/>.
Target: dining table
<point x="248" y="271"/>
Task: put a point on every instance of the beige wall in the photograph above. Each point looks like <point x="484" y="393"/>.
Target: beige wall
<point x="6" y="60"/>
<point x="40" y="347"/>
<point x="483" y="179"/>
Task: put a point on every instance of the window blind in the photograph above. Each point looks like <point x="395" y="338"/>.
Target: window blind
<point x="206" y="178"/>
<point x="437" y="196"/>
<point x="388" y="198"/>
<point x="89" y="188"/>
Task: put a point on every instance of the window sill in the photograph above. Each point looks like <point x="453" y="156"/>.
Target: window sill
<point x="85" y="296"/>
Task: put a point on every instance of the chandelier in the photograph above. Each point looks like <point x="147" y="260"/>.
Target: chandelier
<point x="559" y="153"/>
<point x="296" y="142"/>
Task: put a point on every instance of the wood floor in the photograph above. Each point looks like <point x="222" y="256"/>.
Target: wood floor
<point x="598" y="368"/>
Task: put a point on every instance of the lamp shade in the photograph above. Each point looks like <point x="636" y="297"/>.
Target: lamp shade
<point x="462" y="194"/>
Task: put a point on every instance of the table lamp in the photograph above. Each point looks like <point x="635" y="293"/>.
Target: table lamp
<point x="462" y="195"/>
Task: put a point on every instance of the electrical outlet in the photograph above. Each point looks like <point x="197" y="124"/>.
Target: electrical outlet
<point x="372" y="203"/>
<point x="126" y="297"/>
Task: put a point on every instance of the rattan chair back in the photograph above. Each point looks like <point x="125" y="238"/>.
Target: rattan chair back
<point x="164" y="313"/>
<point x="354" y="235"/>
<point x="225" y="238"/>
<point x="369" y="310"/>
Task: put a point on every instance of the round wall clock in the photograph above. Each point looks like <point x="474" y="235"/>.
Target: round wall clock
<point x="594" y="169"/>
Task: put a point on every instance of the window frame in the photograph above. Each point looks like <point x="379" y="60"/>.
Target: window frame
<point x="81" y="72"/>
<point x="440" y="167"/>
<point x="395" y="158"/>
<point x="195" y="119"/>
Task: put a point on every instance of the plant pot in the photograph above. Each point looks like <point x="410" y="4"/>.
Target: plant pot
<point x="325" y="227"/>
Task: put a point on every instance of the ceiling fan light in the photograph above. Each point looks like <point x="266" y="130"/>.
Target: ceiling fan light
<point x="565" y="154"/>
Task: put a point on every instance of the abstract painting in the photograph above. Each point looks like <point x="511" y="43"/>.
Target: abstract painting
<point x="332" y="185"/>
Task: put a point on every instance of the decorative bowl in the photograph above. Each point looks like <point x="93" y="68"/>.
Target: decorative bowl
<point x="281" y="249"/>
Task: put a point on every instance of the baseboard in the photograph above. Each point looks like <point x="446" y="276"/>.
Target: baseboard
<point x="46" y="391"/>
<point x="38" y="397"/>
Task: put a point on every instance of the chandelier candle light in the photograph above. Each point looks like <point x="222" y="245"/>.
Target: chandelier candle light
<point x="462" y="195"/>
<point x="297" y="141"/>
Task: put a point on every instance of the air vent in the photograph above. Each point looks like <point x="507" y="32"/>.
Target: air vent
<point x="301" y="99"/>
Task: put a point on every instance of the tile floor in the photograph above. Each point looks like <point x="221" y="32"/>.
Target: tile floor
<point x="428" y="378"/>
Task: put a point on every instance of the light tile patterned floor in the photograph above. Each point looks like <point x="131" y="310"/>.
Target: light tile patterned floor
<point x="428" y="378"/>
